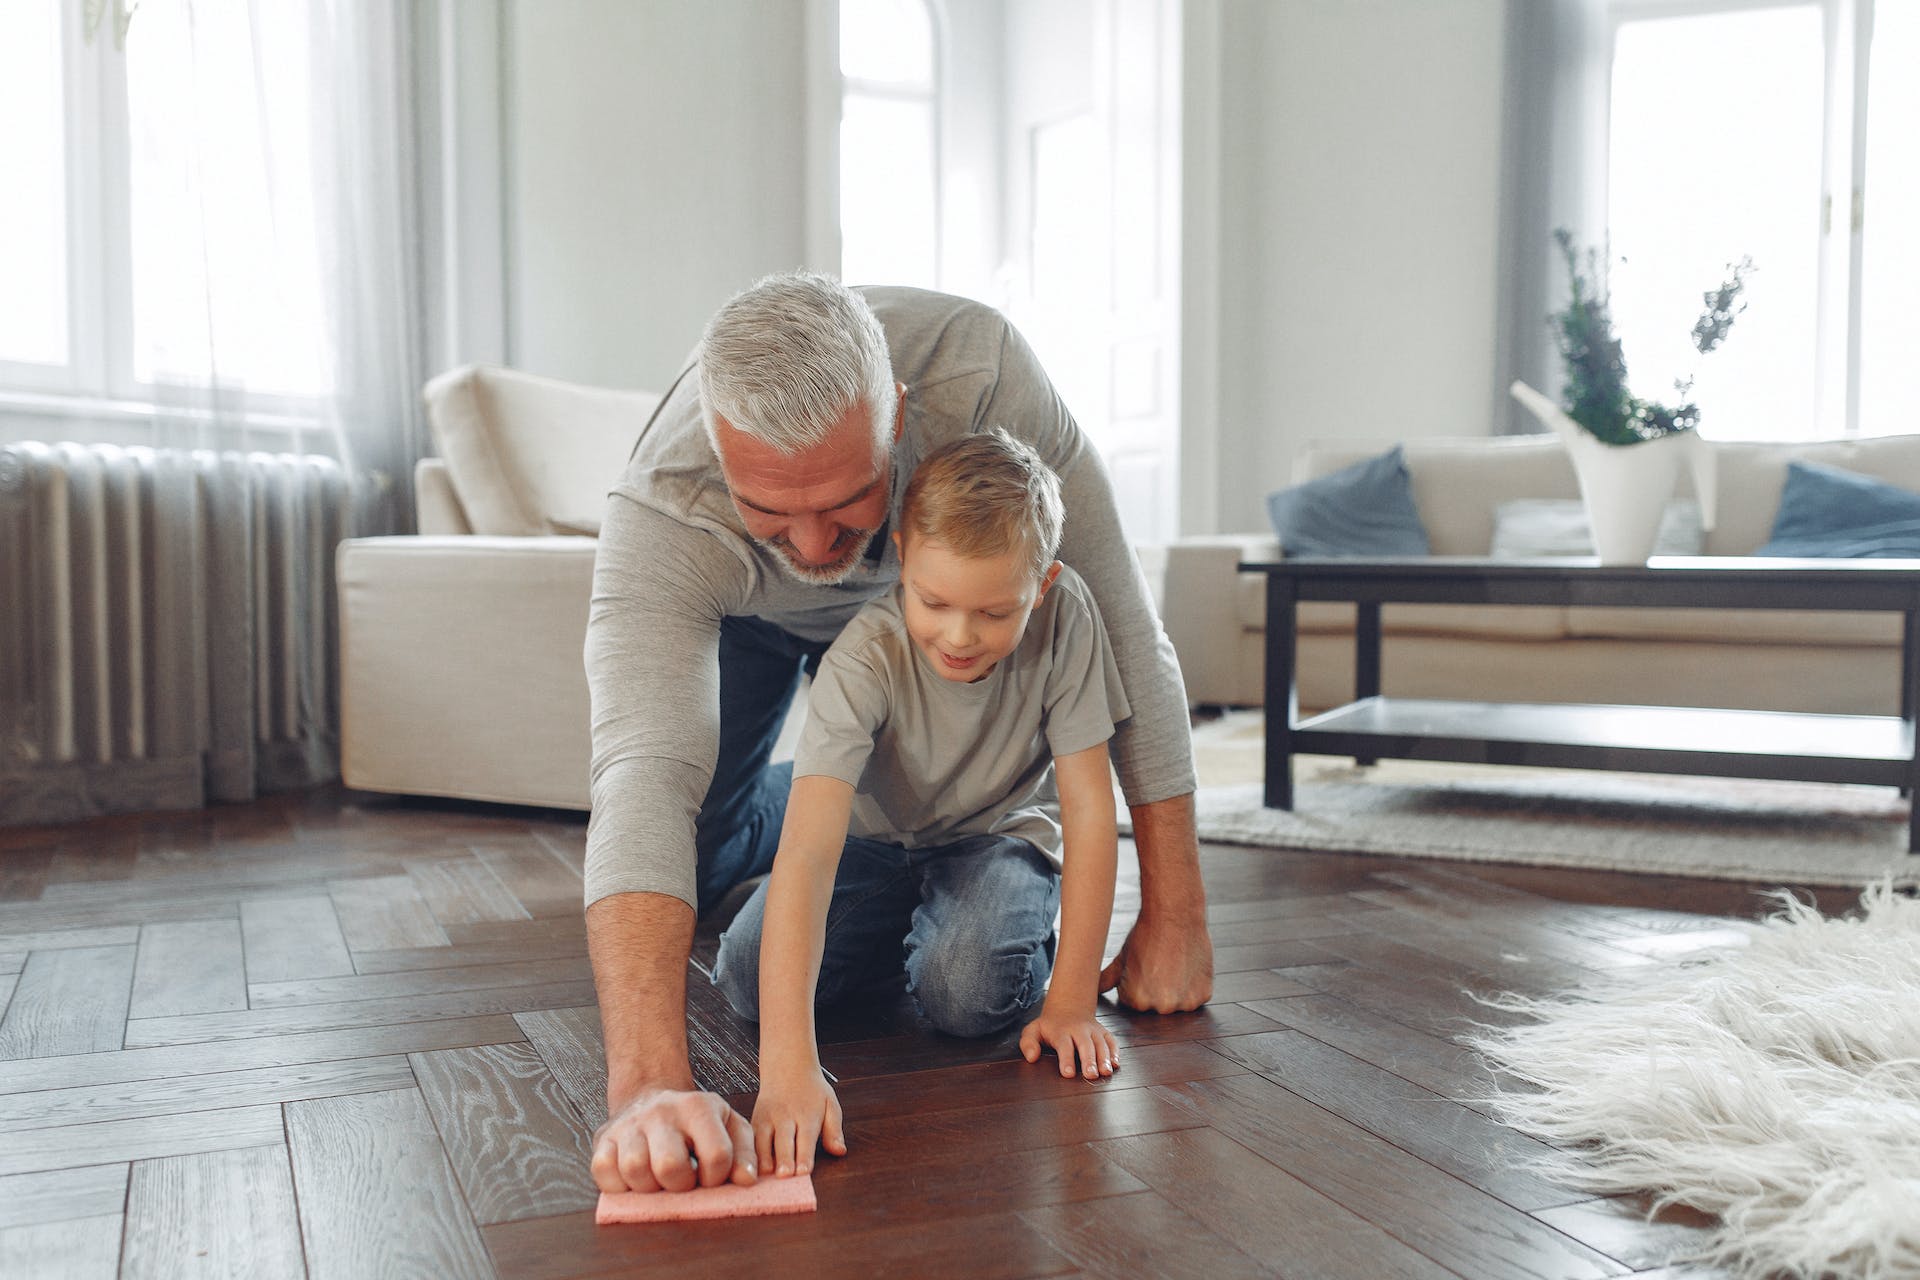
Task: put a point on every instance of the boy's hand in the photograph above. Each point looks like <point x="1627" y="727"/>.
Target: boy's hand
<point x="1074" y="1037"/>
<point x="792" y="1113"/>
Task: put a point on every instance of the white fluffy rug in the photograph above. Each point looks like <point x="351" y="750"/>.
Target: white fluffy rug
<point x="1725" y="828"/>
<point x="1775" y="1085"/>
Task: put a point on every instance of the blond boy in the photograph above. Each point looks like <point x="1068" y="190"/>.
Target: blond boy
<point x="950" y="791"/>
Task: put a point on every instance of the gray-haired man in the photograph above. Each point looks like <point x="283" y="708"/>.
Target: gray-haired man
<point x="745" y="533"/>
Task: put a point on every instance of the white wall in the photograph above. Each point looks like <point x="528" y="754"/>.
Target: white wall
<point x="1358" y="202"/>
<point x="656" y="158"/>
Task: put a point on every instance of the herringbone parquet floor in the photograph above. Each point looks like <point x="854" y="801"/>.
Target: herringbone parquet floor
<point x="339" y="1036"/>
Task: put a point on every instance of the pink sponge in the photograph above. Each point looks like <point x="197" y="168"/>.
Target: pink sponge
<point x="765" y="1197"/>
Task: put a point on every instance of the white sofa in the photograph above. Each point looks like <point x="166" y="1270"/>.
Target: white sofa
<point x="1830" y="662"/>
<point x="461" y="649"/>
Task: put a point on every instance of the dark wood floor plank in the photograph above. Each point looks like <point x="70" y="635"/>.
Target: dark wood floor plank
<point x="380" y="913"/>
<point x="965" y="1208"/>
<point x="1140" y="1236"/>
<point x="571" y="927"/>
<point x="1436" y="1006"/>
<point x="1016" y="1081"/>
<point x="293" y="939"/>
<point x="193" y="1028"/>
<point x="987" y="1134"/>
<point x="1293" y="1229"/>
<point x="174" y="1095"/>
<point x="26" y="917"/>
<point x="1277" y="954"/>
<point x="463" y="891"/>
<point x="254" y="1052"/>
<point x="1256" y="984"/>
<point x="1445" y="1134"/>
<point x="461" y="955"/>
<point x="377" y="1197"/>
<point x="1410" y="944"/>
<point x="189" y="966"/>
<point x="516" y="1144"/>
<point x="68" y="1002"/>
<point x="538" y="881"/>
<point x="219" y="1213"/>
<point x="1618" y="1227"/>
<point x="87" y="1191"/>
<point x="1463" y="1229"/>
<point x="418" y="982"/>
<point x="1432" y="1062"/>
<point x="1294" y="928"/>
<point x="80" y="1249"/>
<point x="568" y="1042"/>
<point x="996" y="1246"/>
<point x="1283" y="906"/>
<point x="723" y="1049"/>
<point x="121" y="935"/>
<point x="146" y="1138"/>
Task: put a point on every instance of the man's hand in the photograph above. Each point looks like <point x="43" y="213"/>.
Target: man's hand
<point x="791" y="1115"/>
<point x="1162" y="969"/>
<point x="673" y="1140"/>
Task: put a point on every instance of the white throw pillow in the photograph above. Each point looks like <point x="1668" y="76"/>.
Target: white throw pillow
<point x="1536" y="528"/>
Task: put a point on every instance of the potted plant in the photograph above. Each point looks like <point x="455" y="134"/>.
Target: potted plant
<point x="1626" y="451"/>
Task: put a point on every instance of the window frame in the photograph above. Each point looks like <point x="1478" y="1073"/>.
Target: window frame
<point x="97" y="385"/>
<point x="1847" y="27"/>
<point x="933" y="95"/>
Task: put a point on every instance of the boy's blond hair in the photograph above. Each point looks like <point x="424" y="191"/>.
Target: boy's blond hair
<point x="985" y="495"/>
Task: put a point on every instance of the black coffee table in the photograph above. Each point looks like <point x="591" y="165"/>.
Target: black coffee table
<point x="1789" y="746"/>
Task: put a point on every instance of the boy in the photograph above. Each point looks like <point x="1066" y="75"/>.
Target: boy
<point x="958" y="729"/>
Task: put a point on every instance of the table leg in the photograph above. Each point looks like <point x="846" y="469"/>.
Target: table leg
<point x="1909" y="700"/>
<point x="1366" y="658"/>
<point x="1283" y="693"/>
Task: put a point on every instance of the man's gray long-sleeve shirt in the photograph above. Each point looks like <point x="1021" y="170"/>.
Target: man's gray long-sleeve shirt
<point x="674" y="559"/>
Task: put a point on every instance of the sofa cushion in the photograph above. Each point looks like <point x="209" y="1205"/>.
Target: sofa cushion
<point x="1742" y="626"/>
<point x="1458" y="482"/>
<point x="1362" y="510"/>
<point x="1827" y="512"/>
<point x="1321" y="617"/>
<point x="531" y="455"/>
<point x="1532" y="528"/>
<point x="1753" y="476"/>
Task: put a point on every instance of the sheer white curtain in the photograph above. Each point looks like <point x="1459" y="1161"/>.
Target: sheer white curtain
<point x="272" y="229"/>
<point x="251" y="312"/>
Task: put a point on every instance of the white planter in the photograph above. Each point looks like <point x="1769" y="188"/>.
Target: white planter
<point x="1626" y="487"/>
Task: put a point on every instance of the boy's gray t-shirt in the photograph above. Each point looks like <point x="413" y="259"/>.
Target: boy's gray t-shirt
<point x="933" y="760"/>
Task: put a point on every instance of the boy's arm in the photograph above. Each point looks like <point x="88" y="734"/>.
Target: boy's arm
<point x="796" y="1106"/>
<point x="1090" y="852"/>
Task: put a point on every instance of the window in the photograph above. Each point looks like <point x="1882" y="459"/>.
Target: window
<point x="889" y="156"/>
<point x="158" y="226"/>
<point x="1732" y="132"/>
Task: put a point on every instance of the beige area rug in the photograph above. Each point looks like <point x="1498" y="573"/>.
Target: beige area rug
<point x="1718" y="828"/>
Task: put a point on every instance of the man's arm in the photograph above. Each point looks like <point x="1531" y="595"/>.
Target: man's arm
<point x="653" y="672"/>
<point x="1166" y="964"/>
<point x="657" y="1117"/>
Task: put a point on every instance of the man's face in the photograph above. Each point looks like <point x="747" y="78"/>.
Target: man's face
<point x="966" y="613"/>
<point x="816" y="510"/>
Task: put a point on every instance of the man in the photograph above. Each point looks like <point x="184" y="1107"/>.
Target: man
<point x="750" y="526"/>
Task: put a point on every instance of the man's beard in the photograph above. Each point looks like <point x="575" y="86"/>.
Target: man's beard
<point x="830" y="574"/>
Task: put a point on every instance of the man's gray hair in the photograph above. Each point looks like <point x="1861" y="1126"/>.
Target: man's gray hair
<point x="785" y="359"/>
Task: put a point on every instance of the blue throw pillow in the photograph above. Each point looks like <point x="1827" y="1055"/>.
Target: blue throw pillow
<point x="1829" y="513"/>
<point x="1362" y="510"/>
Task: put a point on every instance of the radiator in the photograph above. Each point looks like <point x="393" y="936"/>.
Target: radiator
<point x="167" y="627"/>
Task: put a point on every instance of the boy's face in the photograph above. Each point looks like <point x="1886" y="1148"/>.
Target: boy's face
<point x="966" y="613"/>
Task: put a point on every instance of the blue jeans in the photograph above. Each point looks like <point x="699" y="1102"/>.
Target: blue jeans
<point x="971" y="923"/>
<point x="739" y="824"/>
